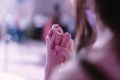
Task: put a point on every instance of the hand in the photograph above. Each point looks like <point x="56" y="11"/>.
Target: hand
<point x="59" y="46"/>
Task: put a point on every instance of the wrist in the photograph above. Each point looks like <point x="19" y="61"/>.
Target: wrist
<point x="48" y="71"/>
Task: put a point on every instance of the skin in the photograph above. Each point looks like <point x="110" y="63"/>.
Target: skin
<point x="102" y="55"/>
<point x="59" y="49"/>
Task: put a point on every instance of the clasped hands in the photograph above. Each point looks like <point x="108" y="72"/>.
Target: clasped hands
<point x="59" y="46"/>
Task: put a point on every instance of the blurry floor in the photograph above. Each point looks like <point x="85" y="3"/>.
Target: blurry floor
<point x="25" y="60"/>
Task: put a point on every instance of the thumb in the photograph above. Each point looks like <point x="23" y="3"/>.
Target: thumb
<point x="65" y="52"/>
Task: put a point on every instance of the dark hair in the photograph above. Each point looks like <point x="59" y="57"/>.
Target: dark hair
<point x="84" y="32"/>
<point x="56" y="7"/>
<point x="109" y="13"/>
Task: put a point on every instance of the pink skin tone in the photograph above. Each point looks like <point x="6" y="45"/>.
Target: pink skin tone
<point x="59" y="48"/>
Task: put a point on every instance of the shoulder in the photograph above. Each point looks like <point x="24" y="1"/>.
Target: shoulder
<point x="69" y="71"/>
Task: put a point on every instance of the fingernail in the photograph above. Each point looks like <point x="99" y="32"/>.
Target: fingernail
<point x="55" y="26"/>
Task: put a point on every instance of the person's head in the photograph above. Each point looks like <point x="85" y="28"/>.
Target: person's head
<point x="106" y="11"/>
<point x="57" y="14"/>
<point x="56" y="7"/>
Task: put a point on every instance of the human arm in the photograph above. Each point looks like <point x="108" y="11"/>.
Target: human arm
<point x="59" y="49"/>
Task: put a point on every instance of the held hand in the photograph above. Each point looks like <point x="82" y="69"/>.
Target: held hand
<point x="59" y="49"/>
<point x="59" y="46"/>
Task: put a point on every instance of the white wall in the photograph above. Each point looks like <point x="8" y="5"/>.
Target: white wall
<point x="46" y="6"/>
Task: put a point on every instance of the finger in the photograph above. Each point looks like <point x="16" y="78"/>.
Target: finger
<point x="57" y="28"/>
<point x="47" y="41"/>
<point x="67" y="54"/>
<point x="52" y="42"/>
<point x="66" y="39"/>
<point x="57" y="33"/>
<point x="58" y="40"/>
<point x="64" y="51"/>
<point x="55" y="52"/>
<point x="50" y="33"/>
<point x="71" y="45"/>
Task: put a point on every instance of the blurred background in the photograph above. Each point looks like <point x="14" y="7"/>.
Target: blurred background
<point x="23" y="28"/>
